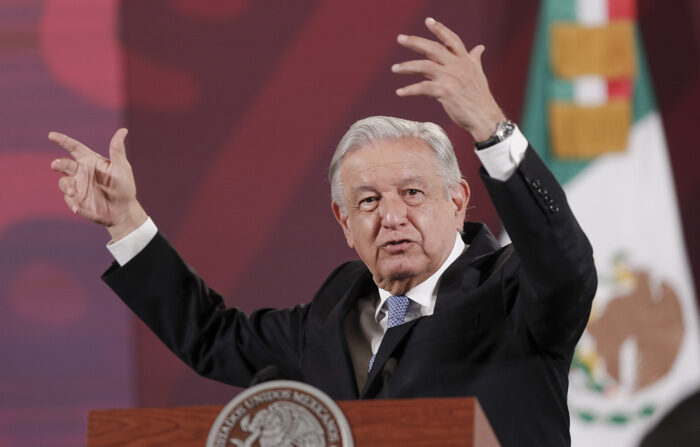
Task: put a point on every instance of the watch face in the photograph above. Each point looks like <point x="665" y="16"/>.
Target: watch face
<point x="504" y="129"/>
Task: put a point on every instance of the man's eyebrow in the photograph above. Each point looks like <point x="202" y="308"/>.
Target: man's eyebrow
<point x="363" y="188"/>
<point x="412" y="180"/>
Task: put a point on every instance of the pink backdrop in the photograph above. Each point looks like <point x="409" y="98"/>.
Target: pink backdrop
<point x="234" y="108"/>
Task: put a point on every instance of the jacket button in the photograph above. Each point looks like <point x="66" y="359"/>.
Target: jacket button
<point x="542" y="192"/>
<point x="554" y="208"/>
<point x="536" y="183"/>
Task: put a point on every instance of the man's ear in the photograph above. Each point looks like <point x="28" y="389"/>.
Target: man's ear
<point x="343" y="221"/>
<point x="460" y="199"/>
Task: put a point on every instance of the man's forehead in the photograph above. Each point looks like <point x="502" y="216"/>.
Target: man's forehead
<point x="391" y="153"/>
<point x="391" y="143"/>
<point x="389" y="165"/>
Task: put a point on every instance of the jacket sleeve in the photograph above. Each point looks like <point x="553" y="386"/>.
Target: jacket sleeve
<point x="192" y="320"/>
<point x="550" y="287"/>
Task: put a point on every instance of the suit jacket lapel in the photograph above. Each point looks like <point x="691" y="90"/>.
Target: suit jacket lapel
<point x="466" y="273"/>
<point x="390" y="342"/>
<point x="342" y="380"/>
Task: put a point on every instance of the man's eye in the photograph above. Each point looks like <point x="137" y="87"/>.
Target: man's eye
<point x="368" y="203"/>
<point x="412" y="192"/>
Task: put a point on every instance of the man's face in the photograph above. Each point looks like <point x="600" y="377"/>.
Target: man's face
<point x="398" y="217"/>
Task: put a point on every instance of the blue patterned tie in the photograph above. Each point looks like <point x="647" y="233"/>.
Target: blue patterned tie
<point x="397" y="305"/>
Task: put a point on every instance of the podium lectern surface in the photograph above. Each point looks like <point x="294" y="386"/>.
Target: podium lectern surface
<point x="401" y="422"/>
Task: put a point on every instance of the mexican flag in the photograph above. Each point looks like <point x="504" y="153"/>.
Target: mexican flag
<point x="591" y="115"/>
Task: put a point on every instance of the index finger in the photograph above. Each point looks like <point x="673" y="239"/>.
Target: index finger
<point x="448" y="37"/>
<point x="435" y="51"/>
<point x="76" y="148"/>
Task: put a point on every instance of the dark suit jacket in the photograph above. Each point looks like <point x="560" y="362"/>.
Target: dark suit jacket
<point x="504" y="328"/>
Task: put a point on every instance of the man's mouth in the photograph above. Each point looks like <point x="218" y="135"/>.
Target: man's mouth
<point x="396" y="246"/>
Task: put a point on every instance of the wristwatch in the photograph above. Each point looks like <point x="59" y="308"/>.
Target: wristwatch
<point x="504" y="129"/>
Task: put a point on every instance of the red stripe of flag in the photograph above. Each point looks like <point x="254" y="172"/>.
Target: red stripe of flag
<point x="622" y="9"/>
<point x="620" y="89"/>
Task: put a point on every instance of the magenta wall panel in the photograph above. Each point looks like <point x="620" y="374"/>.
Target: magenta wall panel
<point x="66" y="344"/>
<point x="234" y="109"/>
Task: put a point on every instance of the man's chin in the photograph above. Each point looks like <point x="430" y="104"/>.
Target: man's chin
<point x="400" y="275"/>
<point x="399" y="268"/>
<point x="402" y="269"/>
<point x="390" y="279"/>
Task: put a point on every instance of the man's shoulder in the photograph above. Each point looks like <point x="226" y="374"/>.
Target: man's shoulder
<point x="479" y="239"/>
<point x="340" y="289"/>
<point x="346" y="273"/>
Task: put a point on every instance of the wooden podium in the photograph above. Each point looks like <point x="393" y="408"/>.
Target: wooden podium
<point x="402" y="422"/>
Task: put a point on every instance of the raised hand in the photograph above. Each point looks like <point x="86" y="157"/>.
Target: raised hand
<point x="102" y="190"/>
<point x="454" y="77"/>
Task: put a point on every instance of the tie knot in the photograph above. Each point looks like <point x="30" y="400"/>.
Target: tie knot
<point x="397" y="305"/>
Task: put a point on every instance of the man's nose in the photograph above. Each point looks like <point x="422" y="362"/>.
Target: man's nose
<point x="392" y="211"/>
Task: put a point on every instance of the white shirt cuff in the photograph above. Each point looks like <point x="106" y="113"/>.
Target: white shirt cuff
<point x="130" y="245"/>
<point x="502" y="159"/>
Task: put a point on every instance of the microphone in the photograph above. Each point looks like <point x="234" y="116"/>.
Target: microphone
<point x="265" y="374"/>
<point x="387" y="372"/>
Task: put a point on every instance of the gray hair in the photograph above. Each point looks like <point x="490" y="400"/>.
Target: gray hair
<point x="368" y="131"/>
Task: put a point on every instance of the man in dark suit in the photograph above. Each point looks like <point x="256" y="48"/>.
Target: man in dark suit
<point x="452" y="312"/>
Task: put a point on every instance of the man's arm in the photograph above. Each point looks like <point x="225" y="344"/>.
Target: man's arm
<point x="548" y="294"/>
<point x="554" y="283"/>
<point x="152" y="279"/>
<point x="190" y="318"/>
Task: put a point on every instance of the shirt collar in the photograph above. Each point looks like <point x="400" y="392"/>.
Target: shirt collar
<point x="425" y="293"/>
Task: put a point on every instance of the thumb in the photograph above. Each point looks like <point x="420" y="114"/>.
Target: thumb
<point x="477" y="51"/>
<point x="117" y="150"/>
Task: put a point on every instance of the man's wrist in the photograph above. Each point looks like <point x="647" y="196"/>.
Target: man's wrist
<point x="488" y="126"/>
<point x="128" y="222"/>
<point x="126" y="248"/>
<point x="502" y="159"/>
<point x="504" y="129"/>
